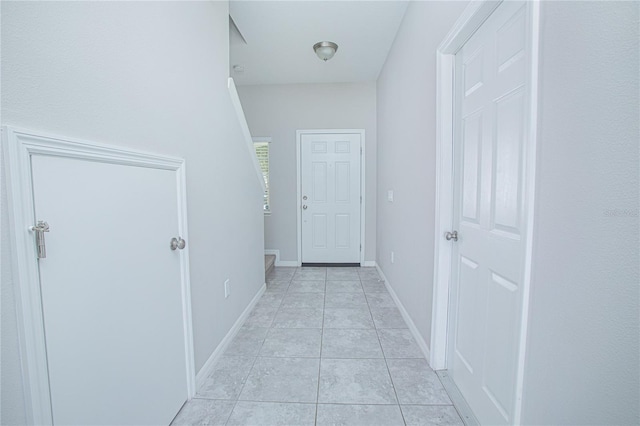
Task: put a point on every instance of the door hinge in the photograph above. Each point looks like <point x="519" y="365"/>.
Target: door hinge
<point x="40" y="229"/>
<point x="360" y="247"/>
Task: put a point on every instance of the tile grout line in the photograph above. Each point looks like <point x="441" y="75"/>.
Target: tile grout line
<point x="237" y="399"/>
<point x="395" y="392"/>
<point x="325" y="403"/>
<point x="324" y="305"/>
<point x="329" y="357"/>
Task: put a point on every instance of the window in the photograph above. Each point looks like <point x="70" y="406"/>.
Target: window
<point x="261" y="146"/>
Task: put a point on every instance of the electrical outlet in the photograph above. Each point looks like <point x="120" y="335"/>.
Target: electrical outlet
<point x="393" y="257"/>
<point x="227" y="289"/>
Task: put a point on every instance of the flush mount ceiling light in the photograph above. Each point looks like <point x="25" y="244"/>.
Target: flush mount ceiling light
<point x="325" y="49"/>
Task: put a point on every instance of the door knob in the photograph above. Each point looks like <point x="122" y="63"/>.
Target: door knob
<point x="178" y="243"/>
<point x="304" y="207"/>
<point x="451" y="236"/>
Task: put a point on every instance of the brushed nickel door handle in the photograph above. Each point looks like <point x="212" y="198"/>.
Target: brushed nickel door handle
<point x="177" y="243"/>
<point x="451" y="236"/>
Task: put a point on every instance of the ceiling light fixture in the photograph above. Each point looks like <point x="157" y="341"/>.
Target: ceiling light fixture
<point x="325" y="49"/>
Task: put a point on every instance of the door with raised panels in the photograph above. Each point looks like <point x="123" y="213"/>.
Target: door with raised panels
<point x="111" y="291"/>
<point x="330" y="197"/>
<point x="491" y="101"/>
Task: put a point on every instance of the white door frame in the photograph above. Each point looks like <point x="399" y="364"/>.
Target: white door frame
<point x="299" y="134"/>
<point x="19" y="145"/>
<point x="471" y="19"/>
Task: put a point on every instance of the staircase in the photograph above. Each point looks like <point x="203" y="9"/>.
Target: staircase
<point x="269" y="262"/>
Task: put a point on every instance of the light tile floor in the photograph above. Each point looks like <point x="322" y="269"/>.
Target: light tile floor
<point x="323" y="346"/>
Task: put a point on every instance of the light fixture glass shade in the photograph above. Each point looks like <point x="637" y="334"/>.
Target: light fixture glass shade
<point x="325" y="49"/>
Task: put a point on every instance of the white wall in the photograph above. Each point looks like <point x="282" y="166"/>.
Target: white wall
<point x="12" y="407"/>
<point x="406" y="156"/>
<point x="278" y="111"/>
<point x="582" y="360"/>
<point x="150" y="76"/>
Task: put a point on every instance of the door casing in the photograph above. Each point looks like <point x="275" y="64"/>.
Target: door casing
<point x="18" y="146"/>
<point x="471" y="19"/>
<point x="299" y="134"/>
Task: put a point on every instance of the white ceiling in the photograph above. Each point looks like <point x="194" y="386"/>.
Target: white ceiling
<point x="280" y="36"/>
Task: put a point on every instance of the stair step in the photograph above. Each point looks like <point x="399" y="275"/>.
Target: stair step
<point x="269" y="262"/>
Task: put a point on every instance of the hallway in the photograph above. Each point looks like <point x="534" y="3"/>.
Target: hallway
<point x="322" y="346"/>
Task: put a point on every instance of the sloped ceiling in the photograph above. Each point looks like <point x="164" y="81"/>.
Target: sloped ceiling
<point x="273" y="43"/>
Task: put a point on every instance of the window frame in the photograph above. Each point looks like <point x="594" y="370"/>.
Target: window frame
<point x="262" y="140"/>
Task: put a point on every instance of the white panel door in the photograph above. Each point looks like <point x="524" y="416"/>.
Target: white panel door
<point x="111" y="292"/>
<point x="330" y="184"/>
<point x="489" y="213"/>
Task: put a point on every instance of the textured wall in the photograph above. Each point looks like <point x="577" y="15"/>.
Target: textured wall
<point x="406" y="156"/>
<point x="150" y="76"/>
<point x="12" y="406"/>
<point x="582" y="359"/>
<point x="278" y="111"/>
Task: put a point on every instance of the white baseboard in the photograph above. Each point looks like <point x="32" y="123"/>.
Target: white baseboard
<point x="281" y="262"/>
<point x="422" y="344"/>
<point x="368" y="263"/>
<point x="217" y="353"/>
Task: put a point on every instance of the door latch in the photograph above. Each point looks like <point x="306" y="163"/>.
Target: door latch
<point x="40" y="229"/>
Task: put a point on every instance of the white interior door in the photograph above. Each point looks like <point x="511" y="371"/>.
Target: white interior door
<point x="331" y="198"/>
<point x="491" y="104"/>
<point x="111" y="292"/>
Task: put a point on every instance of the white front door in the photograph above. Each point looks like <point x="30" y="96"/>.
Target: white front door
<point x="330" y="197"/>
<point x="111" y="291"/>
<point x="492" y="108"/>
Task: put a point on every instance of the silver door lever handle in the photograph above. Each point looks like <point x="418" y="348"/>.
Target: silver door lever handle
<point x="40" y="229"/>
